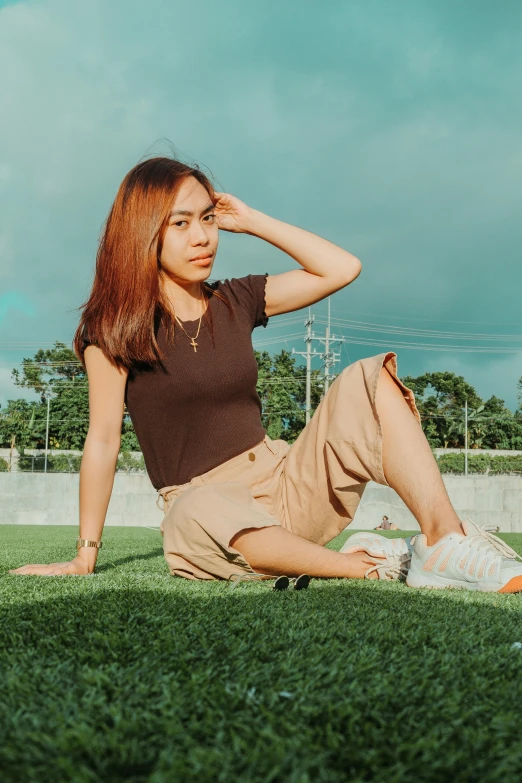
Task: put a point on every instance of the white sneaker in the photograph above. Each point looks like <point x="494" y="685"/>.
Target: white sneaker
<point x="477" y="560"/>
<point x="391" y="556"/>
<point x="376" y="545"/>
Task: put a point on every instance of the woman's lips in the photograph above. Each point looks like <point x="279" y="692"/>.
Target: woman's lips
<point x="202" y="261"/>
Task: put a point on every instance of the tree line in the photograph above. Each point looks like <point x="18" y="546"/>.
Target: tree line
<point x="441" y="397"/>
<point x="55" y="373"/>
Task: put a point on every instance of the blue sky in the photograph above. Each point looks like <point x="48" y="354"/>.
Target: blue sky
<point x="391" y="127"/>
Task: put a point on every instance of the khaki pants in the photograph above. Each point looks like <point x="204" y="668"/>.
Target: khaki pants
<point x="312" y="487"/>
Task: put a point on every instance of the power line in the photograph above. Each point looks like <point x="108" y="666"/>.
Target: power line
<point x="344" y="344"/>
<point x="343" y="324"/>
<point x="16" y="346"/>
<point x="410" y="332"/>
<point x="356" y="324"/>
<point x="438" y="320"/>
<point x="434" y="348"/>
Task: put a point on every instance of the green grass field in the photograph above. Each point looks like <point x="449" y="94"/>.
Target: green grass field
<point x="133" y="675"/>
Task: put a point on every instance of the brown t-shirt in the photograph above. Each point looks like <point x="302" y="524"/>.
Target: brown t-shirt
<point x="202" y="407"/>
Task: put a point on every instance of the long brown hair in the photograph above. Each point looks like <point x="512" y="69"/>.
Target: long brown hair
<point x="127" y="300"/>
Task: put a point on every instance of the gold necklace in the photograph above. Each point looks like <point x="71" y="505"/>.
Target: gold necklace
<point x="192" y="339"/>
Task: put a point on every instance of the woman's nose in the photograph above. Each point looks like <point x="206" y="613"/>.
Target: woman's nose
<point x="199" y="236"/>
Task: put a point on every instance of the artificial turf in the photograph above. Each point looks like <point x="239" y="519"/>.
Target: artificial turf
<point x="133" y="675"/>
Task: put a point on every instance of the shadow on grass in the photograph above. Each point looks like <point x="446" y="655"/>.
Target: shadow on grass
<point x="349" y="680"/>
<point x="109" y="565"/>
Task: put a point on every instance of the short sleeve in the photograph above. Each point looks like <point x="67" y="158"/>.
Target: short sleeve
<point x="249" y="293"/>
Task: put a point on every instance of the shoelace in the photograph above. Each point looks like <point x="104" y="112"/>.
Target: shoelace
<point x="493" y="542"/>
<point x="393" y="566"/>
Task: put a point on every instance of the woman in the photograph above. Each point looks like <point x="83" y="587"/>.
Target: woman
<point x="235" y="500"/>
<point x="386" y="524"/>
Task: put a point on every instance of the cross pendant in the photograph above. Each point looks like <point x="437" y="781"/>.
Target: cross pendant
<point x="193" y="343"/>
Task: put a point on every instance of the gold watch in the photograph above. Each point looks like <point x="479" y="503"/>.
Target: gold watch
<point x="85" y="542"/>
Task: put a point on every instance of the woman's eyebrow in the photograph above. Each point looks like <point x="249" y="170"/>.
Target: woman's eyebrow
<point x="209" y="208"/>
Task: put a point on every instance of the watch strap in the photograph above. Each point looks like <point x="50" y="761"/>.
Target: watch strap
<point x="85" y="542"/>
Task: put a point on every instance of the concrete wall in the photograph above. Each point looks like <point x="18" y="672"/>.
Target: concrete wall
<point x="52" y="499"/>
<point x="494" y="500"/>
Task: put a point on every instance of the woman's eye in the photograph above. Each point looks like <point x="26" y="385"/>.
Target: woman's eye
<point x="180" y="222"/>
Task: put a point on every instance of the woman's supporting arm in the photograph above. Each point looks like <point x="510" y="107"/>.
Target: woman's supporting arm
<point x="96" y="483"/>
<point x="100" y="454"/>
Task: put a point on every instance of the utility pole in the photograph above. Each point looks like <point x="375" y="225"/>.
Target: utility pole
<point x="330" y="357"/>
<point x="308" y="354"/>
<point x="466" y="438"/>
<point x="47" y="432"/>
<point x="47" y="429"/>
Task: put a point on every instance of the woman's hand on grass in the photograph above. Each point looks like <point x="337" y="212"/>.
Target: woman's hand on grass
<point x="75" y="566"/>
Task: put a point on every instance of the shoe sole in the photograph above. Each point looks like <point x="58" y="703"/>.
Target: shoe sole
<point x="513" y="586"/>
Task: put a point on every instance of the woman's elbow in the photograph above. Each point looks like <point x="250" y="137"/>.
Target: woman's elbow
<point x="355" y="268"/>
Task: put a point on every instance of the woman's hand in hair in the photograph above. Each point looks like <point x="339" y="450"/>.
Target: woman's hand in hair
<point x="76" y="566"/>
<point x="231" y="213"/>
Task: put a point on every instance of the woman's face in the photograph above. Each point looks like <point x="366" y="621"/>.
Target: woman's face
<point x="192" y="232"/>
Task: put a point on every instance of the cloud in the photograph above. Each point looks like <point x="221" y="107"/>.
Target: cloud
<point x="391" y="129"/>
